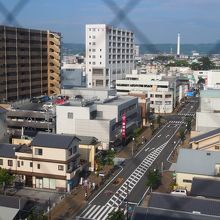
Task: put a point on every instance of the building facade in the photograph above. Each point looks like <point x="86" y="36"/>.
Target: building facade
<point x="208" y="115"/>
<point x="50" y="161"/>
<point x="98" y="118"/>
<point x="109" y="54"/>
<point x="29" y="63"/>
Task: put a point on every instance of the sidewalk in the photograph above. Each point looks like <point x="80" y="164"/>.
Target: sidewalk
<point x="71" y="205"/>
<point x="126" y="152"/>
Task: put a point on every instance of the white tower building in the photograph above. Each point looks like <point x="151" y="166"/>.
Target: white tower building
<point x="178" y="45"/>
<point x="109" y="54"/>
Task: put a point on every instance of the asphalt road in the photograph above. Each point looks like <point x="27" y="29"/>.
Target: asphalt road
<point x="133" y="177"/>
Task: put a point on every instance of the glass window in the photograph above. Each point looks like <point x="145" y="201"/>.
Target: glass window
<point x="10" y="163"/>
<point x="31" y="164"/>
<point x="1" y="161"/>
<point x="70" y="115"/>
<point x="38" y="151"/>
<point x="60" y="167"/>
<point x="38" y="166"/>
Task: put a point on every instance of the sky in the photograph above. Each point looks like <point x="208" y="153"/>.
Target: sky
<point x="153" y="21"/>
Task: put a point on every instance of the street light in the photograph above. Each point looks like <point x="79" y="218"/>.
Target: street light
<point x="132" y="149"/>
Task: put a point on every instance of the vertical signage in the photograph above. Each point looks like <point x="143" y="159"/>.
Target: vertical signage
<point x="123" y="128"/>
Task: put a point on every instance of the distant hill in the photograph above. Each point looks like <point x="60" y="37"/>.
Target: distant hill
<point x="203" y="49"/>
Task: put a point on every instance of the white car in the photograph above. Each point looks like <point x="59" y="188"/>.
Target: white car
<point x="181" y="192"/>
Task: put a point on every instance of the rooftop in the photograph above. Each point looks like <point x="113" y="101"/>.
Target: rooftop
<point x="205" y="135"/>
<point x="201" y="162"/>
<point x="54" y="140"/>
<point x="208" y="188"/>
<point x="87" y="140"/>
<point x="7" y="150"/>
<point x="2" y="110"/>
<point x="211" y="93"/>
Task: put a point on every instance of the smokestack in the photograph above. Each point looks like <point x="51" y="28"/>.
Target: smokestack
<point x="178" y="45"/>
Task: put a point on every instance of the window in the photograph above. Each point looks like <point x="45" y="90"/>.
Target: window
<point x="38" y="166"/>
<point x="93" y="63"/>
<point x="38" y="151"/>
<point x="60" y="167"/>
<point x="187" y="181"/>
<point x="70" y="151"/>
<point x="22" y="163"/>
<point x="19" y="164"/>
<point x="168" y="96"/>
<point x="216" y="147"/>
<point x="70" y="115"/>
<point x="10" y="163"/>
<point x="1" y="161"/>
<point x="158" y="96"/>
<point x="31" y="164"/>
<point x="93" y="43"/>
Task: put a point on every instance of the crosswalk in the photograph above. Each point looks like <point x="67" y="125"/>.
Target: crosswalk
<point x="120" y="195"/>
<point x="98" y="212"/>
<point x="187" y="114"/>
<point x="177" y="122"/>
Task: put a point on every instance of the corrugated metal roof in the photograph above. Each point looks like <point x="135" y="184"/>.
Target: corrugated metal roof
<point x="205" y="135"/>
<point x="208" y="188"/>
<point x="7" y="150"/>
<point x="185" y="204"/>
<point x="197" y="162"/>
<point x="54" y="140"/>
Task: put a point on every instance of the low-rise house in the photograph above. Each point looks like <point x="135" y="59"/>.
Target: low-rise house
<point x="50" y="161"/>
<point x="168" y="206"/>
<point x="196" y="163"/>
<point x="207" y="141"/>
<point x="208" y="188"/>
<point x="88" y="147"/>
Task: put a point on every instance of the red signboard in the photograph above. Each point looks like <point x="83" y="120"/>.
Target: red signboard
<point x="123" y="127"/>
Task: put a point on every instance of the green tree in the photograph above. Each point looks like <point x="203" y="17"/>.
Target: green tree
<point x="110" y="155"/>
<point x="182" y="134"/>
<point x="5" y="177"/>
<point x="154" y="179"/>
<point x="37" y="215"/>
<point x="206" y="63"/>
<point x="159" y="120"/>
<point x="118" y="215"/>
<point x="189" y="123"/>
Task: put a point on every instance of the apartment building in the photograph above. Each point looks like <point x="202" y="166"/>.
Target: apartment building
<point x="3" y="127"/>
<point x="208" y="114"/>
<point x="159" y="90"/>
<point x="109" y="54"/>
<point x="98" y="118"/>
<point x="29" y="63"/>
<point x="50" y="161"/>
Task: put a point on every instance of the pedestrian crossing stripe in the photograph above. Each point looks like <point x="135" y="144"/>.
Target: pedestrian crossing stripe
<point x="98" y="212"/>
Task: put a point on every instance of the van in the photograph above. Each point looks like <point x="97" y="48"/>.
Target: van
<point x="181" y="192"/>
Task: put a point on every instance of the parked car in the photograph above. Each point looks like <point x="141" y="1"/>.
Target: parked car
<point x="181" y="192"/>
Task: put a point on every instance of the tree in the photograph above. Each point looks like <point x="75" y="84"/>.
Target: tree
<point x="154" y="179"/>
<point x="159" y="120"/>
<point x="110" y="155"/>
<point x="118" y="215"/>
<point x="206" y="63"/>
<point x="189" y="123"/>
<point x="182" y="134"/>
<point x="37" y="215"/>
<point x="5" y="177"/>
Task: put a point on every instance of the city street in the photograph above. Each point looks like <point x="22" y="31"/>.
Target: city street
<point x="133" y="177"/>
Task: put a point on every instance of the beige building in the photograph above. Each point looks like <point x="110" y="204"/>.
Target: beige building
<point x="88" y="147"/>
<point x="50" y="161"/>
<point x="207" y="141"/>
<point x="196" y="163"/>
